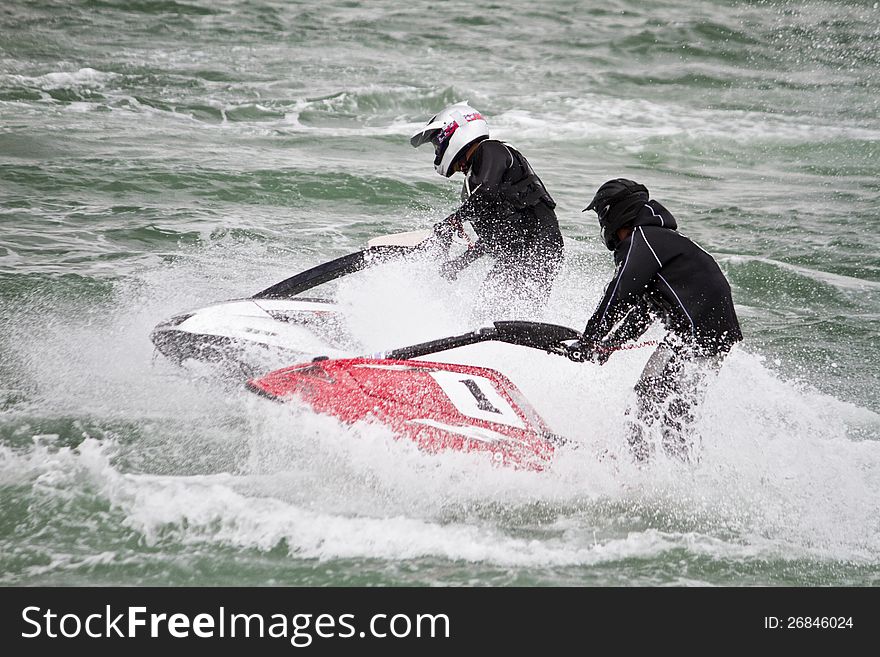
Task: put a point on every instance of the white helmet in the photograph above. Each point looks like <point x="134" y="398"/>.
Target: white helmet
<point x="452" y="131"/>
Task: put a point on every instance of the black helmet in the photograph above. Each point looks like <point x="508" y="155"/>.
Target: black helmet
<point x="617" y="202"/>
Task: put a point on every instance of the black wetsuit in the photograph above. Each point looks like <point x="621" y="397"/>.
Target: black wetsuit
<point x="661" y="273"/>
<point x="513" y="216"/>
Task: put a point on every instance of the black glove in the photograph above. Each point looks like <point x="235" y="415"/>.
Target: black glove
<point x="450" y="268"/>
<point x="600" y="355"/>
<point x="575" y="351"/>
<point x="580" y="351"/>
<point x="447" y="228"/>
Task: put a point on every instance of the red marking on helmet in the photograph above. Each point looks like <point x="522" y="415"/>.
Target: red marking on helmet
<point x="447" y="131"/>
<point x="474" y="116"/>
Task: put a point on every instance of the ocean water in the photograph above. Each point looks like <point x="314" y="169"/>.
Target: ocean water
<point x="160" y="155"/>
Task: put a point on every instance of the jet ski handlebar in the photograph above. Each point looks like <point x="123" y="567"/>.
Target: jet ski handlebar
<point x="537" y="335"/>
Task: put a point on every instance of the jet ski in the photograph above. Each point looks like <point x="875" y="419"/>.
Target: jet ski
<point x="438" y="406"/>
<point x="256" y="333"/>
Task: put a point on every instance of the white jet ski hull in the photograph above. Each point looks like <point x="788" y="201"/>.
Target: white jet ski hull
<point x="249" y="330"/>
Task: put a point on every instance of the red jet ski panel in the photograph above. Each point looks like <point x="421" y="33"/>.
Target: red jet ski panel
<point x="440" y="406"/>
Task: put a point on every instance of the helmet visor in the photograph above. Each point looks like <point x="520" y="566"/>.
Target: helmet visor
<point x="424" y="136"/>
<point x="439" y="149"/>
<point x="441" y="140"/>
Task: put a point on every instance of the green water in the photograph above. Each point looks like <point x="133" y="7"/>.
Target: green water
<point x="156" y="156"/>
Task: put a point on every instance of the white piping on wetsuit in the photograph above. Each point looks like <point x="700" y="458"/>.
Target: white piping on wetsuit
<point x="467" y="186"/>
<point x="660" y="217"/>
<point x="507" y="148"/>
<point x="617" y="283"/>
<point x="684" y="310"/>
<point x="654" y="253"/>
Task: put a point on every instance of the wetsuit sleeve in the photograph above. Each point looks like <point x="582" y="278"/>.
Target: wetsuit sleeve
<point x="483" y="198"/>
<point x="625" y="292"/>
<point x="631" y="327"/>
<point x="474" y="252"/>
<point x="447" y="228"/>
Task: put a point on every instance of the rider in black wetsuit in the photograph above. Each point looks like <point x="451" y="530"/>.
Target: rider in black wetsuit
<point x="660" y="273"/>
<point x="507" y="204"/>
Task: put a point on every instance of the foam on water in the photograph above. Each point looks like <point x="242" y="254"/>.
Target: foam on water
<point x="846" y="283"/>
<point x="779" y="475"/>
<point x="631" y="120"/>
<point x="84" y="77"/>
<point x="392" y="109"/>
